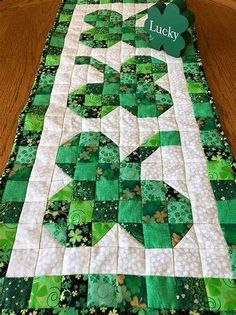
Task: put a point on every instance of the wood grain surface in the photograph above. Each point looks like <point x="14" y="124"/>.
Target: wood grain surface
<point x="23" y="30"/>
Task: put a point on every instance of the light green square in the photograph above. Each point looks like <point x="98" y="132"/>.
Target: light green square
<point x="80" y="211"/>
<point x="43" y="288"/>
<point x="42" y="99"/>
<point x="52" y="60"/>
<point x="153" y="190"/>
<point x="7" y="235"/>
<point x="33" y="122"/>
<point x="220" y="170"/>
<point x="203" y="110"/>
<point x="144" y="68"/>
<point x="111" y="88"/>
<point x="196" y="87"/>
<point x="93" y="100"/>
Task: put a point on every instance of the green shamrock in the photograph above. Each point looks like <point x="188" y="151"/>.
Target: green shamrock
<point x="135" y="88"/>
<point x="168" y="26"/>
<point x="109" y="28"/>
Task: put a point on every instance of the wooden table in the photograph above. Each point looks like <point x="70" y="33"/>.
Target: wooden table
<point x="24" y="27"/>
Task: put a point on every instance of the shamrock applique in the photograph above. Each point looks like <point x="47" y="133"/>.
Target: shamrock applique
<point x="168" y="26"/>
<point x="106" y="189"/>
<point x="135" y="88"/>
<point x="109" y="28"/>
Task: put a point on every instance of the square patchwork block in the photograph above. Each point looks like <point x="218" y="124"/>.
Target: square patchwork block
<point x="74" y="290"/>
<point x="85" y="171"/>
<point x="102" y="291"/>
<point x="76" y="260"/>
<point x="80" y="211"/>
<point x="15" y="191"/>
<point x="187" y="263"/>
<point x="157" y="235"/>
<point x="129" y="190"/>
<point x="25" y="260"/>
<point x="43" y="288"/>
<point x="153" y="190"/>
<point x="16" y="293"/>
<point x="159" y="262"/>
<point x="27" y="236"/>
<point x="103" y="260"/>
<point x="107" y="190"/>
<point x="105" y="211"/>
<point x="50" y="261"/>
<point x="215" y="263"/>
<point x="161" y="292"/>
<point x="84" y="190"/>
<point x="130" y="171"/>
<point x="130" y="211"/>
<point x="131" y="261"/>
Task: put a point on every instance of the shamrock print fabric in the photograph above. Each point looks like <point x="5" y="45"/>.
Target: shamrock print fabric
<point x="119" y="196"/>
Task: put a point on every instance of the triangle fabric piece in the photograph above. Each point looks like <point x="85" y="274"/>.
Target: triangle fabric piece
<point x="99" y="230"/>
<point x="189" y="240"/>
<point x="151" y="168"/>
<point x="167" y="121"/>
<point x="59" y="180"/>
<point x="72" y="126"/>
<point x="54" y="235"/>
<point x="126" y="239"/>
<point x="140" y="22"/>
<point x="164" y="83"/>
<point x="126" y="151"/>
<point x="78" y="77"/>
<point x="110" y="239"/>
<point x="47" y="238"/>
<point x="179" y="186"/>
<point x="65" y="193"/>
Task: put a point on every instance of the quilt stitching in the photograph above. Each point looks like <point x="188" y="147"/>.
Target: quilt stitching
<point x="74" y="227"/>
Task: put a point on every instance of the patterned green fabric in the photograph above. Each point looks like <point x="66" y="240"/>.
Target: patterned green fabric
<point x="109" y="230"/>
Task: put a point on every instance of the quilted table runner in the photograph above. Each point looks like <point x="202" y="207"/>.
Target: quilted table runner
<point x="119" y="196"/>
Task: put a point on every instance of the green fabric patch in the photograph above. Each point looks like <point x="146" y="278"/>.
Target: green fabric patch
<point x="107" y="190"/>
<point x="221" y="294"/>
<point x="99" y="230"/>
<point x="161" y="292"/>
<point x="169" y="138"/>
<point x="45" y="292"/>
<point x="227" y="211"/>
<point x="15" y="191"/>
<point x="220" y="170"/>
<point x="103" y="291"/>
<point x="7" y="235"/>
<point x="80" y="211"/>
<point x="15" y="293"/>
<point x="130" y="211"/>
<point x="157" y="235"/>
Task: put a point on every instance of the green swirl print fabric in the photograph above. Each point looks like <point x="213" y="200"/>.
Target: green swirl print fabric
<point x="119" y="196"/>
